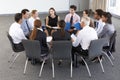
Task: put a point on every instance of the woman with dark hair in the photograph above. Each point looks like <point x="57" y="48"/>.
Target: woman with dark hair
<point x="61" y="34"/>
<point x="51" y="20"/>
<point x="109" y="28"/>
<point x="86" y="14"/>
<point x="38" y="34"/>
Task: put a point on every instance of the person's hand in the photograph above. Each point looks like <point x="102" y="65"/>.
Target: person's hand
<point x="72" y="39"/>
<point x="71" y="30"/>
<point x="49" y="27"/>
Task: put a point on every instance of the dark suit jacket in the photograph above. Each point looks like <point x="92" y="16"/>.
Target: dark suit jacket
<point x="107" y="31"/>
<point x="41" y="36"/>
<point x="57" y="36"/>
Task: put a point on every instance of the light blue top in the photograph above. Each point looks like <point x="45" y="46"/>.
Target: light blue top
<point x="107" y="31"/>
<point x="24" y="27"/>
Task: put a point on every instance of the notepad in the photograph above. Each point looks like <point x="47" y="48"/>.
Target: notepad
<point x="73" y="36"/>
<point x="49" y="38"/>
<point x="55" y="27"/>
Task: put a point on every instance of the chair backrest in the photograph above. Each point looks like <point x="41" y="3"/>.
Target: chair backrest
<point x="61" y="49"/>
<point x="32" y="48"/>
<point x="96" y="47"/>
<point x="112" y="41"/>
<point x="11" y="42"/>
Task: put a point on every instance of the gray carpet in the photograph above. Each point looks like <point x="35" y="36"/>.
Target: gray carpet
<point x="61" y="72"/>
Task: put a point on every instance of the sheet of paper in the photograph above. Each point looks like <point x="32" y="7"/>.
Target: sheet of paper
<point x="55" y="27"/>
<point x="73" y="36"/>
<point x="49" y="38"/>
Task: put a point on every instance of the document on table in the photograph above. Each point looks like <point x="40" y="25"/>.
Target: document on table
<point x="55" y="27"/>
<point x="73" y="36"/>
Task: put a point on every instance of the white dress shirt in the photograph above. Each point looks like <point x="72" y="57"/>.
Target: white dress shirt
<point x="84" y="37"/>
<point x="16" y="33"/>
<point x="76" y="18"/>
<point x="31" y="21"/>
<point x="100" y="26"/>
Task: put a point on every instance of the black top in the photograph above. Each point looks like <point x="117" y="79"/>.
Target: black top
<point x="41" y="36"/>
<point x="52" y="21"/>
<point x="57" y="36"/>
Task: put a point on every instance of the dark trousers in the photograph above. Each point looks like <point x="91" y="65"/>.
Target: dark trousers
<point x="49" y="30"/>
<point x="19" y="47"/>
<point x="79" y="51"/>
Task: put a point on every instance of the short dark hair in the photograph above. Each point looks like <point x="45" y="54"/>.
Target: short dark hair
<point x="24" y="11"/>
<point x="73" y="7"/>
<point x="18" y="16"/>
<point x="108" y="16"/>
<point x="61" y="23"/>
<point x="99" y="12"/>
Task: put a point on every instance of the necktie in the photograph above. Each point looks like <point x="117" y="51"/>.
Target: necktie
<point x="97" y="24"/>
<point x="71" y="20"/>
<point x="28" y="26"/>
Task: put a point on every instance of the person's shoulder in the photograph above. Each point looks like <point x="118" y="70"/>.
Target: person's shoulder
<point x="109" y="24"/>
<point x="58" y="17"/>
<point x="31" y="18"/>
<point x="15" y="24"/>
<point x="47" y="17"/>
<point x="38" y="18"/>
<point x="91" y="28"/>
<point x="23" y="22"/>
<point x="12" y="25"/>
<point x="39" y="32"/>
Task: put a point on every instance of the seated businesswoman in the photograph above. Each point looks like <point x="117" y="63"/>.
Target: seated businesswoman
<point x="61" y="34"/>
<point x="34" y="16"/>
<point x="86" y="14"/>
<point x="108" y="28"/>
<point x="38" y="34"/>
<point x="51" y="20"/>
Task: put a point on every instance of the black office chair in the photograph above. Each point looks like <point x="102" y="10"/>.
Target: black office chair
<point x="16" y="52"/>
<point x="61" y="50"/>
<point x="111" y="48"/>
<point x="33" y="51"/>
<point x="95" y="50"/>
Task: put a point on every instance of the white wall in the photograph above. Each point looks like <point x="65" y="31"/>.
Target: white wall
<point x="14" y="6"/>
<point x="81" y="4"/>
